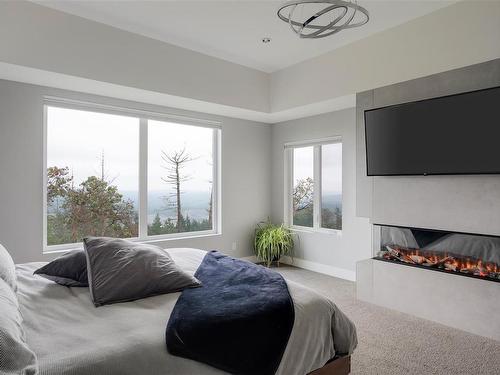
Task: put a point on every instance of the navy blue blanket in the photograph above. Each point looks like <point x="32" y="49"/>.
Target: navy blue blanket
<point x="239" y="320"/>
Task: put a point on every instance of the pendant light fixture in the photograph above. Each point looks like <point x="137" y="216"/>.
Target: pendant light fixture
<point x="312" y="19"/>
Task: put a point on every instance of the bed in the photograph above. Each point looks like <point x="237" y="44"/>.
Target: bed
<point x="71" y="337"/>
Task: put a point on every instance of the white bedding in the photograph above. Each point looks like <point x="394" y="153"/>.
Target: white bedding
<point x="72" y="337"/>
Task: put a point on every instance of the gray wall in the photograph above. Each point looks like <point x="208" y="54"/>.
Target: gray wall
<point x="458" y="35"/>
<point x="245" y="173"/>
<point x="38" y="37"/>
<point x="339" y="251"/>
<point x="457" y="203"/>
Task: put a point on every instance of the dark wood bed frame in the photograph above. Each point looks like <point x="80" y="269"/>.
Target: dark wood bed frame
<point x="336" y="366"/>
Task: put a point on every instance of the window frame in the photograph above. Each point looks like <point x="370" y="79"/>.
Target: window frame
<point x="143" y="116"/>
<point x="317" y="178"/>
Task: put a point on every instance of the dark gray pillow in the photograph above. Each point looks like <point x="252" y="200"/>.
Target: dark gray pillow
<point x="120" y="270"/>
<point x="69" y="269"/>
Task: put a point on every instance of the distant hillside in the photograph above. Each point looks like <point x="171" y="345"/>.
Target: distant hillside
<point x="194" y="203"/>
<point x="331" y="201"/>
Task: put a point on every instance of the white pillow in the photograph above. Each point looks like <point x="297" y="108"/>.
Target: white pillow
<point x="7" y="268"/>
<point x="15" y="356"/>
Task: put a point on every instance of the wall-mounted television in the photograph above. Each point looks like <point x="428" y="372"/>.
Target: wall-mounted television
<point x="456" y="134"/>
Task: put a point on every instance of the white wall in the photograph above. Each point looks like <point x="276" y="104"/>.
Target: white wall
<point x="329" y="253"/>
<point x="245" y="173"/>
<point x="462" y="34"/>
<point x="35" y="36"/>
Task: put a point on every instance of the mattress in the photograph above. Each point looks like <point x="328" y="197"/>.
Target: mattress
<point x="72" y="337"/>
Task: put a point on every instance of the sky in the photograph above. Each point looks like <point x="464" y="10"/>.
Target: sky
<point x="169" y="137"/>
<point x="77" y="139"/>
<point x="331" y="157"/>
<point x="331" y="161"/>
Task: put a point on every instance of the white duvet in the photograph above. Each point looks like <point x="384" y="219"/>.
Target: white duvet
<point x="72" y="337"/>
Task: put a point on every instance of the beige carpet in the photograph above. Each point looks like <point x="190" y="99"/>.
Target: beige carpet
<point x="395" y="343"/>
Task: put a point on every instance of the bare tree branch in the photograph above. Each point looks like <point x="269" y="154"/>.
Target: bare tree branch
<point x="174" y="163"/>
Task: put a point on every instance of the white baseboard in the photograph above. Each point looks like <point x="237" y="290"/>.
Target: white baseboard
<point x="251" y="258"/>
<point x="341" y="273"/>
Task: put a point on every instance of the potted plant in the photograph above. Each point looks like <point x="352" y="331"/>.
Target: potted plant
<point x="272" y="242"/>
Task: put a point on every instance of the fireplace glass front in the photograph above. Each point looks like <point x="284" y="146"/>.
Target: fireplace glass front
<point x="464" y="254"/>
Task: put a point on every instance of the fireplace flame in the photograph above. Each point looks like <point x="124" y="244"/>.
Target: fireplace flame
<point x="444" y="261"/>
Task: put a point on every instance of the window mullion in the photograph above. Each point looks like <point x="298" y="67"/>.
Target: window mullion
<point x="317" y="187"/>
<point x="45" y="177"/>
<point x="143" y="178"/>
<point x="216" y="223"/>
<point x="289" y="178"/>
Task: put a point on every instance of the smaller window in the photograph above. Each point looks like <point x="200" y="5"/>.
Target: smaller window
<point x="314" y="185"/>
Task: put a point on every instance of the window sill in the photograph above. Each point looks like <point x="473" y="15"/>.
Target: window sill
<point x="329" y="232"/>
<point x="55" y="249"/>
<point x="169" y="237"/>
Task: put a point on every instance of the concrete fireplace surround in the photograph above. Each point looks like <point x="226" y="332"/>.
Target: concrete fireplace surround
<point x="468" y="204"/>
<point x="465" y="303"/>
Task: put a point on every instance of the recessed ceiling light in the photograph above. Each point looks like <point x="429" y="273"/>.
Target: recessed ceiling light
<point x="266" y="40"/>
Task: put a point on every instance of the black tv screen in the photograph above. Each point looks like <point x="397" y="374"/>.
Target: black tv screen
<point x="457" y="134"/>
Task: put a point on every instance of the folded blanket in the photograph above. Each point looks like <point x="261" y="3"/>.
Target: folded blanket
<point x="239" y="321"/>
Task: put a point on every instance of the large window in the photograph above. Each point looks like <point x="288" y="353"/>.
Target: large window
<point x="129" y="174"/>
<point x="314" y="185"/>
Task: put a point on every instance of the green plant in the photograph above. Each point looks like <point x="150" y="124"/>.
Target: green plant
<point x="272" y="242"/>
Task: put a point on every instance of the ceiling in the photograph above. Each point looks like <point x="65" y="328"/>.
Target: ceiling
<point x="233" y="30"/>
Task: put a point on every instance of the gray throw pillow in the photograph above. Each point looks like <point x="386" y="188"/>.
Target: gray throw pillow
<point x="7" y="269"/>
<point x="120" y="270"/>
<point x="15" y="355"/>
<point x="69" y="269"/>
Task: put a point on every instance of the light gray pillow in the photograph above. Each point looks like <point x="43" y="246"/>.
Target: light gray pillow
<point x="7" y="268"/>
<point x="15" y="356"/>
<point x="120" y="270"/>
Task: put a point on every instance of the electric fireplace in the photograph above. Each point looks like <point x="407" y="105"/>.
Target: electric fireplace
<point x="465" y="254"/>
